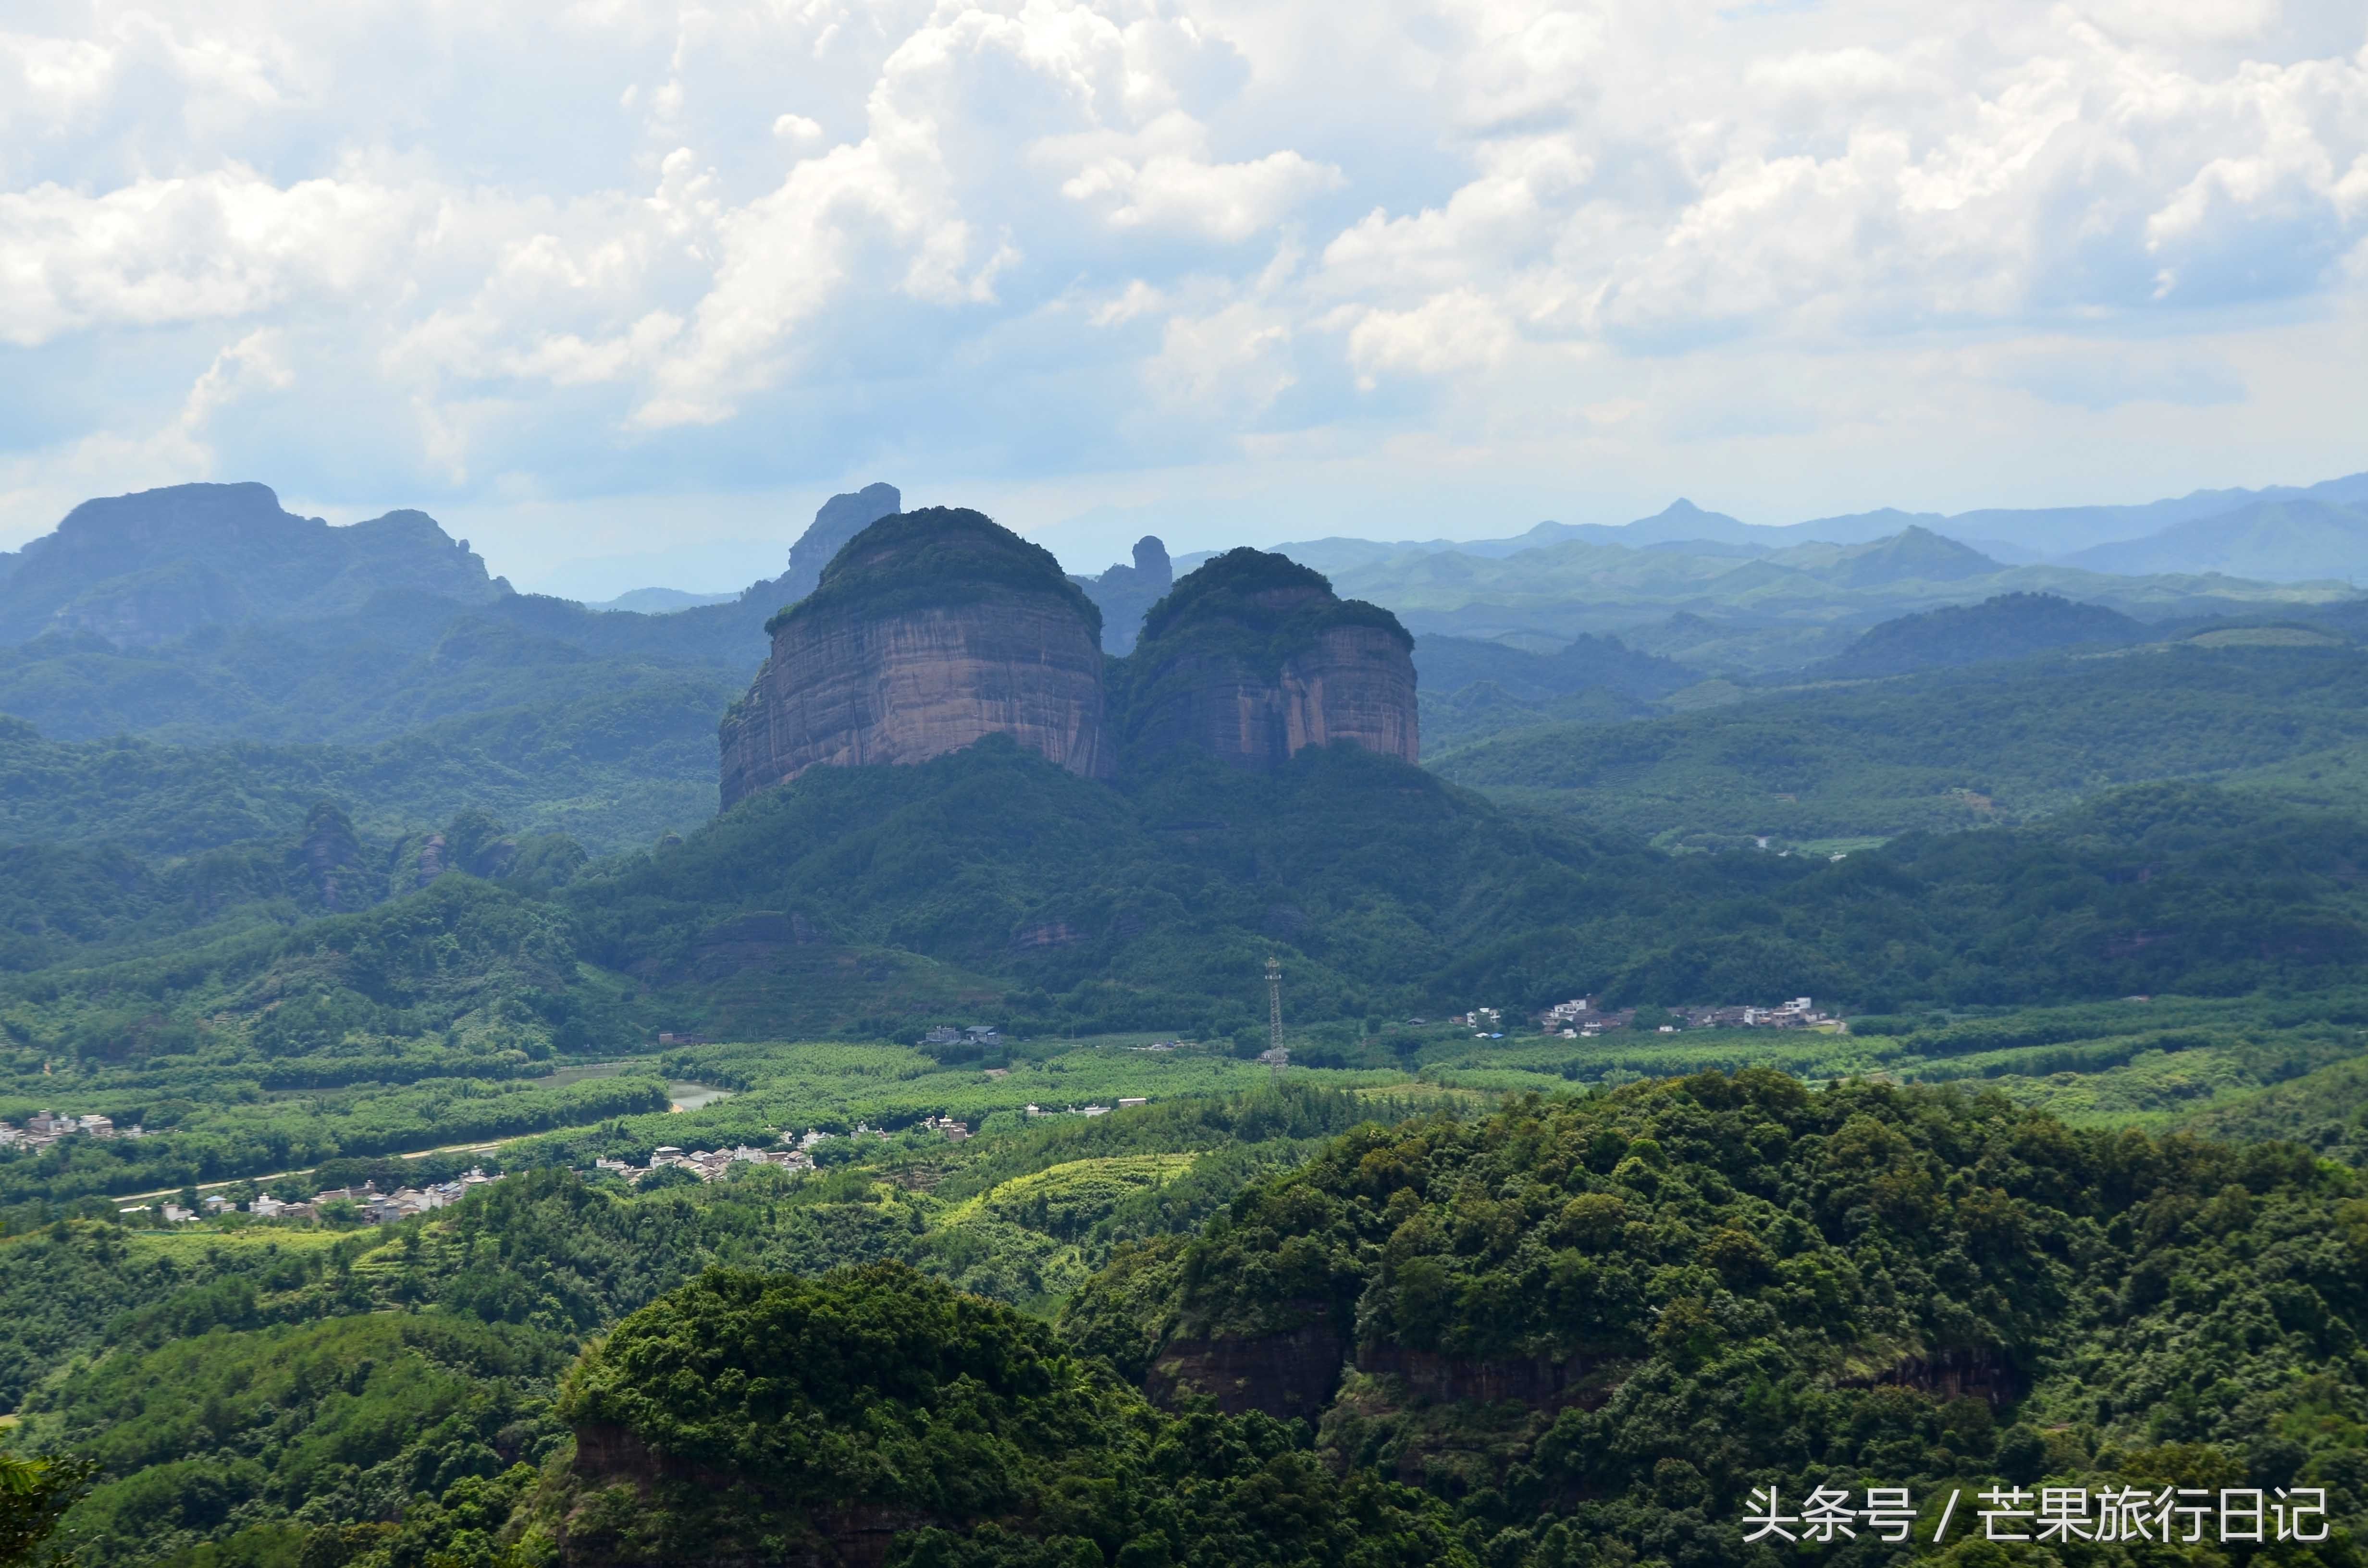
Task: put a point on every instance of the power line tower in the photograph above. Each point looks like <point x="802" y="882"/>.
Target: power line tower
<point x="1278" y="1055"/>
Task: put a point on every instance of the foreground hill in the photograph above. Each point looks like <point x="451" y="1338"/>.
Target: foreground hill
<point x="1572" y="1331"/>
<point x="1624" y="1311"/>
<point x="875" y="1415"/>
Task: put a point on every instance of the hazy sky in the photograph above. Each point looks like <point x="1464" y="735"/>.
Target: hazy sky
<point x="645" y="279"/>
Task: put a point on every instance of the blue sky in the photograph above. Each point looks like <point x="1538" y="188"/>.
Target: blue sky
<point x="621" y="289"/>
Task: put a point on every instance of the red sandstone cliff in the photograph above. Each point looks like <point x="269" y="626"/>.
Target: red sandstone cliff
<point x="930" y="630"/>
<point x="1253" y="657"/>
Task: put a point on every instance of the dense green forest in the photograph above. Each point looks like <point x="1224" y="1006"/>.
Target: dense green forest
<point x="1944" y="750"/>
<point x="2012" y="626"/>
<point x="1575" y="1330"/>
<point x="1715" y="1283"/>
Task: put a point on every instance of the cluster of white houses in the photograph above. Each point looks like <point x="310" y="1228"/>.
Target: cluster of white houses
<point x="1128" y="1104"/>
<point x="710" y="1165"/>
<point x="976" y="1034"/>
<point x="45" y="1128"/>
<point x="1581" y="1018"/>
<point x="378" y="1208"/>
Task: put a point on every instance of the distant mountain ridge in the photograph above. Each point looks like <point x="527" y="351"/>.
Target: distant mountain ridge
<point x="2298" y="538"/>
<point x="659" y="601"/>
<point x="143" y="569"/>
<point x="2015" y="536"/>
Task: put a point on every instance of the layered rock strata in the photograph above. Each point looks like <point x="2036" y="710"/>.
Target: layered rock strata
<point x="1253" y="657"/>
<point x="930" y="630"/>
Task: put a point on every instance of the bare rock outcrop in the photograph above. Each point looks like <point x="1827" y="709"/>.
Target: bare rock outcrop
<point x="930" y="630"/>
<point x="1127" y="593"/>
<point x="837" y="521"/>
<point x="1254" y="657"/>
<point x="1291" y="1373"/>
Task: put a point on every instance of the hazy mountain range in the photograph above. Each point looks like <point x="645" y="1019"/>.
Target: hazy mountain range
<point x="2279" y="534"/>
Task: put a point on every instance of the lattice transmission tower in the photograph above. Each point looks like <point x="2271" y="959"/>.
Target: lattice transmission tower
<point x="1278" y="1055"/>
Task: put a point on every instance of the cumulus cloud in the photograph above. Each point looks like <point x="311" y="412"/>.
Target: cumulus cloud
<point x="654" y="244"/>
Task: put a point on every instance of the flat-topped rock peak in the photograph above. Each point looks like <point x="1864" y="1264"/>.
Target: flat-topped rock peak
<point x="1253" y="658"/>
<point x="927" y="631"/>
<point x="932" y="629"/>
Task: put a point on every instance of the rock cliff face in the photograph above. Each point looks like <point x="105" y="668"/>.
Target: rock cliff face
<point x="927" y="631"/>
<point x="1286" y="1375"/>
<point x="1253" y="657"/>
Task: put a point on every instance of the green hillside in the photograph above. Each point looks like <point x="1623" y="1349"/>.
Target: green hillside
<point x="2012" y="626"/>
<point x="1691" y="1289"/>
<point x="613" y="768"/>
<point x="1565" y="1331"/>
<point x="1944" y="750"/>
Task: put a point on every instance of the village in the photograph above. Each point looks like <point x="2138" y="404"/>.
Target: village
<point x="45" y="1128"/>
<point x="1584" y="1017"/>
<point x="366" y="1201"/>
<point x="713" y="1165"/>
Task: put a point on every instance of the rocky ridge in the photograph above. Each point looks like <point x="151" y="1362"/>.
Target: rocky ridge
<point x="145" y="569"/>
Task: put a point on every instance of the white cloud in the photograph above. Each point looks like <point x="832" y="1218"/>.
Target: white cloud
<point x="1226" y="201"/>
<point x="225" y="246"/>
<point x="1230" y="364"/>
<point x="1457" y="330"/>
<point x="660" y="244"/>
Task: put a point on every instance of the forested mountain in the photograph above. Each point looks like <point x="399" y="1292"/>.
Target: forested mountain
<point x="144" y="569"/>
<point x="2012" y="626"/>
<point x="1605" y="1320"/>
<point x="1950" y="748"/>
